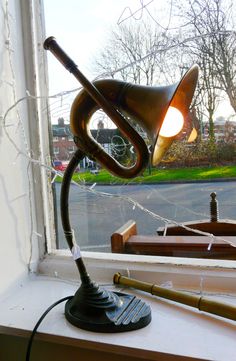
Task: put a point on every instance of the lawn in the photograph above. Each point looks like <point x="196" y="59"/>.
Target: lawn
<point x="162" y="175"/>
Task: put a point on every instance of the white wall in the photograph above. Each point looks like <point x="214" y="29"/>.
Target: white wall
<point x="19" y="179"/>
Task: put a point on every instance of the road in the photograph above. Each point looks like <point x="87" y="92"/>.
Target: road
<point x="95" y="217"/>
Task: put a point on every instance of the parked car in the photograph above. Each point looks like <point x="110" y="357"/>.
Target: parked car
<point x="57" y="164"/>
<point x="61" y="166"/>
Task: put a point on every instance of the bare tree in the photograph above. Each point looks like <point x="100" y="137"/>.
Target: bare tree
<point x="211" y="24"/>
<point x="144" y="53"/>
<point x="208" y="95"/>
<point x="137" y="52"/>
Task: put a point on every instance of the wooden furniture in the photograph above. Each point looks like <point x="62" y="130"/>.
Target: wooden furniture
<point x="175" y="243"/>
<point x="222" y="228"/>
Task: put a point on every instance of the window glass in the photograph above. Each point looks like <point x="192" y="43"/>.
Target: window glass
<point x="151" y="44"/>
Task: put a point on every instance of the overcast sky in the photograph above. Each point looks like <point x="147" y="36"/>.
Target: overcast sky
<point x="81" y="27"/>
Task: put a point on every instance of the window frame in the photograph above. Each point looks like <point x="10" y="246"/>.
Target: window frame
<point x="58" y="263"/>
<point x="33" y="18"/>
<point x="32" y="14"/>
<point x="56" y="150"/>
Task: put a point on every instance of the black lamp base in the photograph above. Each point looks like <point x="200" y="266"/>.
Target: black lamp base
<point x="95" y="309"/>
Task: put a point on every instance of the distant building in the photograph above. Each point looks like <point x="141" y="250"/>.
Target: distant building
<point x="64" y="146"/>
<point x="224" y="130"/>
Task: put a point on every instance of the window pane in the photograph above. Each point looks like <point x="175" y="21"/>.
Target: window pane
<point x="152" y="45"/>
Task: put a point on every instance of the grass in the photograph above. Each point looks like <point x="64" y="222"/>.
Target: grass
<point x="162" y="175"/>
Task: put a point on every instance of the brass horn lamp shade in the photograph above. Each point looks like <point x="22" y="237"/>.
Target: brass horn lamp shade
<point x="145" y="105"/>
<point x="92" y="307"/>
<point x="181" y="97"/>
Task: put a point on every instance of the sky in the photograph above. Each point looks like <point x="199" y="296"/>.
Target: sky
<point x="82" y="28"/>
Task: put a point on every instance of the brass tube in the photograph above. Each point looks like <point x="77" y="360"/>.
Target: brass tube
<point x="126" y="129"/>
<point x="200" y="302"/>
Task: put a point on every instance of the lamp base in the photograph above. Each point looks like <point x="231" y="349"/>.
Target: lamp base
<point x="95" y="309"/>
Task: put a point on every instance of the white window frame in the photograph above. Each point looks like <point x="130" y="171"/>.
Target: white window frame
<point x="182" y="272"/>
<point x="37" y="83"/>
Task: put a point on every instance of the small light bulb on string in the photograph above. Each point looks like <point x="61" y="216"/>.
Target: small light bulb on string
<point x="14" y="161"/>
<point x="210" y="243"/>
<point x="54" y="178"/>
<point x="37" y="234"/>
<point x="201" y="285"/>
<point x="93" y="186"/>
<point x="165" y="229"/>
<point x="167" y="284"/>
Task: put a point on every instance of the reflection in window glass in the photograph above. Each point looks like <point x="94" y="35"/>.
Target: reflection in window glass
<point x="150" y="44"/>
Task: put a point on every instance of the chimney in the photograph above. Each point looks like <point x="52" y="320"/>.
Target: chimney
<point x="100" y="124"/>
<point x="61" y="122"/>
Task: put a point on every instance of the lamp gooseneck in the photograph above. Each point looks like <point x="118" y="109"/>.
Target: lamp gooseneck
<point x="65" y="218"/>
<point x="92" y="307"/>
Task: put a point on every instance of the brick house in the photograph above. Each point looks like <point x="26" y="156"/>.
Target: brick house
<point x="224" y="130"/>
<point x="64" y="146"/>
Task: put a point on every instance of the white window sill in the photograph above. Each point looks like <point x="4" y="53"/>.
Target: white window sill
<point x="195" y="274"/>
<point x="175" y="329"/>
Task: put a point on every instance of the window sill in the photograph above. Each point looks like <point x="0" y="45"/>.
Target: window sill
<point x="176" y="331"/>
<point x="195" y="274"/>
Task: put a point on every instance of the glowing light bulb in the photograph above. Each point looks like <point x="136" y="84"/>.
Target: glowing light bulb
<point x="172" y="124"/>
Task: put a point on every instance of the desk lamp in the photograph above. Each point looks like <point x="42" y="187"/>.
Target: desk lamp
<point x="92" y="307"/>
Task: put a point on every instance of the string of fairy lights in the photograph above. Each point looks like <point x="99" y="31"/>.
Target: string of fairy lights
<point x="60" y="106"/>
<point x="92" y="188"/>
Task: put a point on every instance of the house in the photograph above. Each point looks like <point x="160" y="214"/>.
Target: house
<point x="224" y="130"/>
<point x="64" y="146"/>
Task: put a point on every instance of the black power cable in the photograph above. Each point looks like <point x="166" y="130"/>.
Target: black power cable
<point x="38" y="323"/>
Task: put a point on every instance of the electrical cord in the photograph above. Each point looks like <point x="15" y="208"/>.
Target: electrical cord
<point x="38" y="323"/>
